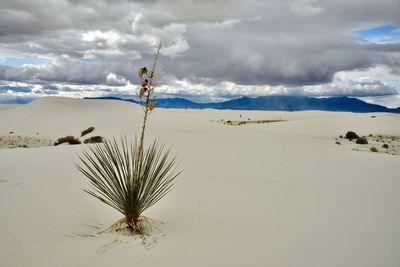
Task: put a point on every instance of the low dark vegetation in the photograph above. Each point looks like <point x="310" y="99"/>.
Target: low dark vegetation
<point x="385" y="146"/>
<point x="362" y="140"/>
<point x="93" y="139"/>
<point x="235" y="123"/>
<point x="374" y="149"/>
<point x="68" y="139"/>
<point x="351" y="135"/>
<point x="87" y="131"/>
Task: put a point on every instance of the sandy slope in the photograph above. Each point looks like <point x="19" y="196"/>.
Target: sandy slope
<point x="8" y="106"/>
<point x="280" y="194"/>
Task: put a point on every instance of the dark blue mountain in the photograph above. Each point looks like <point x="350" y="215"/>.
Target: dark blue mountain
<point x="296" y="103"/>
<point x="160" y="102"/>
<point x="113" y="98"/>
<point x="282" y="103"/>
<point x="178" y="103"/>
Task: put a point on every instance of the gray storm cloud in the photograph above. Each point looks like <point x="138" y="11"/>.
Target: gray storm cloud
<point x="250" y="44"/>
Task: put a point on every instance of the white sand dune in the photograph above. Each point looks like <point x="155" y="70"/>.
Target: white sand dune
<point x="8" y="106"/>
<point x="278" y="194"/>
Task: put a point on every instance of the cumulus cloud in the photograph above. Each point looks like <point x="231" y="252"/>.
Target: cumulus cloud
<point x="113" y="79"/>
<point x="357" y="88"/>
<point x="218" y="48"/>
<point x="115" y="85"/>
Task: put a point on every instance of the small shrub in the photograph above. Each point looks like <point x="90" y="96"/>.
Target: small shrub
<point x="351" y="135"/>
<point x="88" y="130"/>
<point x="67" y="139"/>
<point x="374" y="149"/>
<point x="341" y="136"/>
<point x="74" y="141"/>
<point x="338" y="143"/>
<point x="362" y="140"/>
<point x="228" y="122"/>
<point x="385" y="146"/>
<point x="373" y="116"/>
<point x="94" y="139"/>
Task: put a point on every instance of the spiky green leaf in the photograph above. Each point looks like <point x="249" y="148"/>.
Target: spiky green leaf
<point x="125" y="179"/>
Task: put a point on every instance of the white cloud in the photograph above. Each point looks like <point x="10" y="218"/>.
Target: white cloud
<point x="380" y="72"/>
<point x="113" y="79"/>
<point x="110" y="37"/>
<point x="305" y="7"/>
<point x="135" y="20"/>
<point x="222" y="48"/>
<point x="177" y="44"/>
<point x="347" y="87"/>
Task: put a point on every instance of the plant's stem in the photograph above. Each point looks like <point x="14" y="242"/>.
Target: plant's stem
<point x="149" y="98"/>
<point x="146" y="113"/>
<point x="132" y="219"/>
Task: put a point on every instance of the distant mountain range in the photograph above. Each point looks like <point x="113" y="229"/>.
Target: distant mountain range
<point x="282" y="103"/>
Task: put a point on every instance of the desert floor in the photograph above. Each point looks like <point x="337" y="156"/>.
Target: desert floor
<point x="268" y="194"/>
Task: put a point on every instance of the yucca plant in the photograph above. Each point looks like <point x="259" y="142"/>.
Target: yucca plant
<point x="125" y="175"/>
<point x="128" y="181"/>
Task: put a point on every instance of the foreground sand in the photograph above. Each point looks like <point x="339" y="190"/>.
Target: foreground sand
<point x="278" y="194"/>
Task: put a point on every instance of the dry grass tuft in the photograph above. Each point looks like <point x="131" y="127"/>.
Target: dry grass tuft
<point x="87" y="131"/>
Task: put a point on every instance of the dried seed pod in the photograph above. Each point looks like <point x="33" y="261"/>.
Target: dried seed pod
<point x="145" y="82"/>
<point x="141" y="93"/>
<point x="151" y="106"/>
<point x="142" y="71"/>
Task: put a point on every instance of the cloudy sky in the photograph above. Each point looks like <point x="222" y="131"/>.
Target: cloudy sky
<point x="212" y="49"/>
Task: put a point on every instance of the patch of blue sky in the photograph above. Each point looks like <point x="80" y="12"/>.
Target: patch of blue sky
<point x="20" y="89"/>
<point x="386" y="34"/>
<point x="17" y="62"/>
<point x="392" y="82"/>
